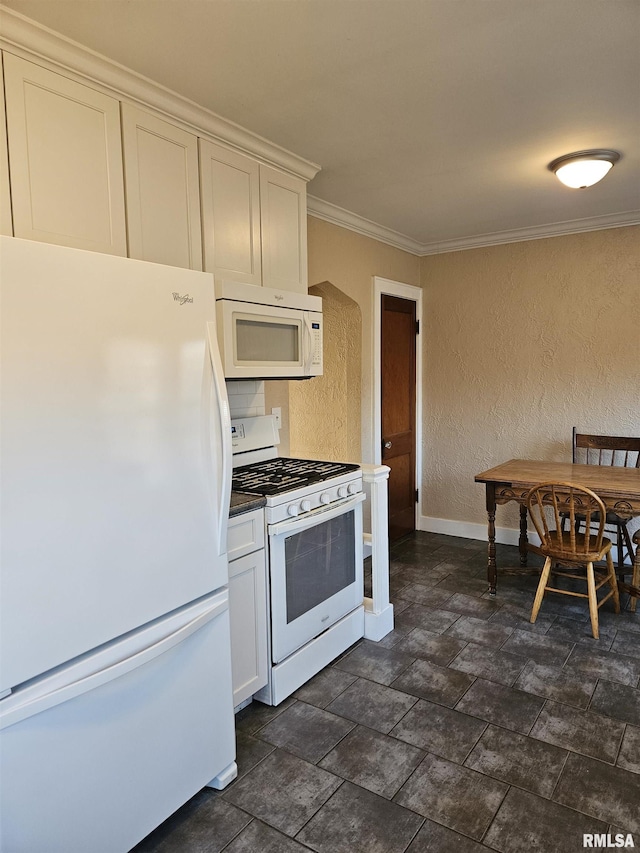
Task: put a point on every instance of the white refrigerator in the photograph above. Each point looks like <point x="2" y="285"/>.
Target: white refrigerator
<point x="115" y="668"/>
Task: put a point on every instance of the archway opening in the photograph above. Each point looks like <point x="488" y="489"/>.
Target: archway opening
<point x="325" y="412"/>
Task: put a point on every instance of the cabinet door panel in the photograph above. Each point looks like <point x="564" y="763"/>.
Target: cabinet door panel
<point x="230" y="187"/>
<point x="248" y="615"/>
<point x="66" y="160"/>
<point x="283" y="207"/>
<point x="162" y="190"/>
<point x="6" y="226"/>
<point x="245" y="533"/>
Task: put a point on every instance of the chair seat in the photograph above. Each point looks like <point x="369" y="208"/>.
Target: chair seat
<point x="587" y="550"/>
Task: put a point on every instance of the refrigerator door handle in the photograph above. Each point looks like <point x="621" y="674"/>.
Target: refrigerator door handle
<point x="56" y="690"/>
<point x="221" y="475"/>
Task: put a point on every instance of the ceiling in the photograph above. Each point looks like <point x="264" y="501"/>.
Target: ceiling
<point x="435" y="119"/>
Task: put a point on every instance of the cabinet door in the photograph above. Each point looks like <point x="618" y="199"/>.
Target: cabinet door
<point x="6" y="226"/>
<point x="161" y="190"/>
<point x="245" y="533"/>
<point x="248" y="614"/>
<point x="65" y="158"/>
<point x="230" y="188"/>
<point x="283" y="208"/>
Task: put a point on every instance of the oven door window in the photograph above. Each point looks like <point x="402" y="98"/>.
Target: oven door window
<point x="319" y="562"/>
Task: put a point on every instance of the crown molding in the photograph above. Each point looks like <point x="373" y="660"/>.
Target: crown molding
<point x="536" y="232"/>
<point x="37" y="43"/>
<point x="339" y="216"/>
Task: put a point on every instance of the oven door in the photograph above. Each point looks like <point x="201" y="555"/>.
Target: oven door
<point x="315" y="567"/>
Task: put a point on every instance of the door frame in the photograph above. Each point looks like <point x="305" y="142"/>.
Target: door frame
<point x="385" y="286"/>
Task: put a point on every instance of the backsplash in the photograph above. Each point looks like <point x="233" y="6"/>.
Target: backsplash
<point x="246" y="398"/>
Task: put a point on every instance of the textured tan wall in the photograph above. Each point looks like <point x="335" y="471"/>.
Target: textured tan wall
<point x="522" y="342"/>
<point x="328" y="410"/>
<point x="348" y="261"/>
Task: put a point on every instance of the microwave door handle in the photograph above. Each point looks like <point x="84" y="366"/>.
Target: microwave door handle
<point x="307" y="345"/>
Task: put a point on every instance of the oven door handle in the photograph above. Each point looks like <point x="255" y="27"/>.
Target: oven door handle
<point x="288" y="528"/>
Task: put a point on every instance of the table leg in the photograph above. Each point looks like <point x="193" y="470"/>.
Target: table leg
<point x="492" y="570"/>
<point x="523" y="542"/>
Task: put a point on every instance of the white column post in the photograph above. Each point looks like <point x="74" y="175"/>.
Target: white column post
<point x="378" y="611"/>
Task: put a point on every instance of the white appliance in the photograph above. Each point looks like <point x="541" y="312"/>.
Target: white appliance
<point x="268" y="334"/>
<point x="314" y="531"/>
<point x="115" y="659"/>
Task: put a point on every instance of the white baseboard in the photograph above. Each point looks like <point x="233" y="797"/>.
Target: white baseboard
<point x="472" y="530"/>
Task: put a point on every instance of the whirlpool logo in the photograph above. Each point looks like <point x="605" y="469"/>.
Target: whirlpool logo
<point x="182" y="298"/>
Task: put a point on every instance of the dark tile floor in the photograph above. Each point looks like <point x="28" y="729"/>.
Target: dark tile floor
<point x="466" y="729"/>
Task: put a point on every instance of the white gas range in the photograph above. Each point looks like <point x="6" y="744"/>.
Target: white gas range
<point x="314" y="534"/>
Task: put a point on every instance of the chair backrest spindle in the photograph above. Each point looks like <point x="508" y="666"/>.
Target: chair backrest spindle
<point x="566" y="501"/>
<point x="614" y="450"/>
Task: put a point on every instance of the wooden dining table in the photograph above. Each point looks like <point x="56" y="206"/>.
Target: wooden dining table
<point x="618" y="488"/>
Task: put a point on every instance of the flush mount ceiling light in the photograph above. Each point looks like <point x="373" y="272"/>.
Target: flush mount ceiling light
<point x="583" y="168"/>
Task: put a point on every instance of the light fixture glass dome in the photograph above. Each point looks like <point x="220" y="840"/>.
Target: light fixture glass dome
<point x="583" y="168"/>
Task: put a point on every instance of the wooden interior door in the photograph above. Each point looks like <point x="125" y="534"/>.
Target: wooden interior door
<point x="398" y="395"/>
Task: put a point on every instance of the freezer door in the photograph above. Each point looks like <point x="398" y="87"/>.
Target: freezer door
<point x="97" y="754"/>
<point x="113" y="491"/>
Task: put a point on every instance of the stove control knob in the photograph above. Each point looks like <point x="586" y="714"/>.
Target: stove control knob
<point x="325" y="498"/>
<point x="292" y="509"/>
<point x="305" y="506"/>
<point x="352" y="488"/>
<point x="342" y="492"/>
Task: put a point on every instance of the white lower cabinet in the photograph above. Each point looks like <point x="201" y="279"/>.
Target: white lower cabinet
<point x="247" y="604"/>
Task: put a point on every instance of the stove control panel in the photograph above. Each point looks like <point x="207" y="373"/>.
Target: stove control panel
<point x="325" y="495"/>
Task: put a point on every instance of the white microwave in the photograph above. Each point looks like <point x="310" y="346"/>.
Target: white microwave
<point x="268" y="334"/>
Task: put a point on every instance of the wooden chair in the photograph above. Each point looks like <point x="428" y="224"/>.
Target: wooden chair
<point x="610" y="450"/>
<point x="635" y="581"/>
<point x="549" y="503"/>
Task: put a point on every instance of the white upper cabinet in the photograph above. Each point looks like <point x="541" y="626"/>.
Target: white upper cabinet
<point x="254" y="220"/>
<point x="65" y="158"/>
<point x="230" y="186"/>
<point x="6" y="226"/>
<point x="283" y="210"/>
<point x="162" y="190"/>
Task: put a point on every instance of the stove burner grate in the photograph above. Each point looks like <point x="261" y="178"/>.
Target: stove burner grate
<point x="282" y="474"/>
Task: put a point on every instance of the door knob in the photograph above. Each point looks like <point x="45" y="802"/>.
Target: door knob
<point x="388" y="444"/>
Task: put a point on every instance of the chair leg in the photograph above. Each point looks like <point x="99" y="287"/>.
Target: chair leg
<point x="544" y="579"/>
<point x="620" y="543"/>
<point x="627" y="540"/>
<point x="635" y="580"/>
<point x="593" y="601"/>
<point x="613" y="581"/>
